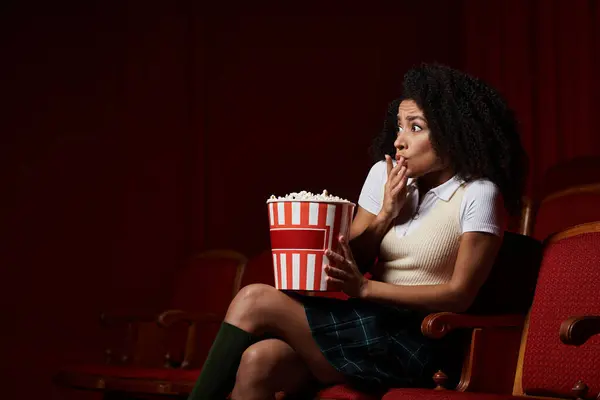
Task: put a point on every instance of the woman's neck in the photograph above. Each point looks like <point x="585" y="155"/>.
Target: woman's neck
<point x="433" y="179"/>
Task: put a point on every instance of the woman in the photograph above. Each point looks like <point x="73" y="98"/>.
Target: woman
<point x="431" y="214"/>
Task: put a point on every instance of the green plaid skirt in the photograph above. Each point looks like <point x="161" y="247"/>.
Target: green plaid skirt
<point x="375" y="346"/>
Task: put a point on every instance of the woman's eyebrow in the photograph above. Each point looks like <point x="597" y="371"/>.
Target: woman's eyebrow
<point x="413" y="117"/>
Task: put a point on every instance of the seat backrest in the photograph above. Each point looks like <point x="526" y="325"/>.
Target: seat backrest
<point x="574" y="172"/>
<point x="260" y="269"/>
<point x="569" y="207"/>
<point x="523" y="222"/>
<point x="208" y="281"/>
<point x="511" y="284"/>
<point x="568" y="285"/>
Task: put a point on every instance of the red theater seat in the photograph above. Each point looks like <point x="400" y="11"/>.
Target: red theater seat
<point x="523" y="222"/>
<point x="566" y="208"/>
<point x="495" y="317"/>
<point x="423" y="394"/>
<point x="560" y="344"/>
<point x="568" y="196"/>
<point x="578" y="171"/>
<point x="149" y="358"/>
<point x="345" y="392"/>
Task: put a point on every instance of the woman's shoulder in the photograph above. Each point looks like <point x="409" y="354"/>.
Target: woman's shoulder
<point x="377" y="174"/>
<point x="371" y="195"/>
<point x="483" y="208"/>
<point x="482" y="188"/>
<point x="379" y="168"/>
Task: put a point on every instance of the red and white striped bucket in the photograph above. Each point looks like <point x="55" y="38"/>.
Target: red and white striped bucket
<point x="301" y="230"/>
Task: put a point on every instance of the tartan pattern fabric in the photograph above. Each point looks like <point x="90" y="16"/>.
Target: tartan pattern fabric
<point x="374" y="346"/>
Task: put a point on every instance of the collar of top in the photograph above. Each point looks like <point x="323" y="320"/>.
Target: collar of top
<point x="445" y="191"/>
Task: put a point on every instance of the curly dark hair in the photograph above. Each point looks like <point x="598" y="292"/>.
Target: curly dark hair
<point x="470" y="125"/>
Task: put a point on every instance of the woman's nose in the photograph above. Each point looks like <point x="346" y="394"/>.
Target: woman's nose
<point x="399" y="143"/>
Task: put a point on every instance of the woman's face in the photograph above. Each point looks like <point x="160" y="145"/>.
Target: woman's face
<point x="413" y="144"/>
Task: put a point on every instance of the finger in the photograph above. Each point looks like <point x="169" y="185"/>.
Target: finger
<point x="336" y="273"/>
<point x="335" y="258"/>
<point x="399" y="188"/>
<point x="388" y="161"/>
<point x="400" y="179"/>
<point x="392" y="170"/>
<point x="402" y="170"/>
<point x="397" y="177"/>
<point x="346" y="249"/>
<point x="334" y="283"/>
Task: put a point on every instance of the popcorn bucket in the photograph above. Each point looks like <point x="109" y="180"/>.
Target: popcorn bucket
<point x="301" y="230"/>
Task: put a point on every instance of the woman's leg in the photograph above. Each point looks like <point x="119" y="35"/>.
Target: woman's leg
<point x="260" y="309"/>
<point x="257" y="310"/>
<point x="217" y="376"/>
<point x="268" y="367"/>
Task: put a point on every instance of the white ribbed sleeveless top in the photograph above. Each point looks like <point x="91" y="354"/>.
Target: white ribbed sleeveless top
<point x="427" y="255"/>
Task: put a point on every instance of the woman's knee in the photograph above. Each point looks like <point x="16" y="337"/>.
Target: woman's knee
<point x="260" y="361"/>
<point x="270" y="366"/>
<point x="250" y="304"/>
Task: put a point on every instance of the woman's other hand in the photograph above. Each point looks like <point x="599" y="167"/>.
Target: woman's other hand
<point x="395" y="188"/>
<point x="343" y="273"/>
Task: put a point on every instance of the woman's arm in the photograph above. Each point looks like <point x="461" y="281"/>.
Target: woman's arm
<point x="367" y="229"/>
<point x="476" y="256"/>
<point x="366" y="232"/>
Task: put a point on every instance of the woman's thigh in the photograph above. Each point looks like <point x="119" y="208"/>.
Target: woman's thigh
<point x="263" y="309"/>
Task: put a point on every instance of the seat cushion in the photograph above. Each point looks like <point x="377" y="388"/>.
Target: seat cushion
<point x="345" y="392"/>
<point x="423" y="394"/>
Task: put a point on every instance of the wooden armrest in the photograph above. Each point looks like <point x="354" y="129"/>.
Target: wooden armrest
<point x="170" y="317"/>
<point x="438" y="325"/>
<point x="126" y="317"/>
<point x="577" y="330"/>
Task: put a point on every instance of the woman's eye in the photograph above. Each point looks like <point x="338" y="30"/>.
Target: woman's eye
<point x="399" y="129"/>
<point x="416" y="128"/>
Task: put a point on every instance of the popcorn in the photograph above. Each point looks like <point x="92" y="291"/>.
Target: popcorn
<point x="308" y="196"/>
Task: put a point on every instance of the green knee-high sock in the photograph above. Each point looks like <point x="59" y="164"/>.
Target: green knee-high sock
<point x="218" y="372"/>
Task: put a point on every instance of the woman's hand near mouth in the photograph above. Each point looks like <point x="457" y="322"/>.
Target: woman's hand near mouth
<point x="395" y="188"/>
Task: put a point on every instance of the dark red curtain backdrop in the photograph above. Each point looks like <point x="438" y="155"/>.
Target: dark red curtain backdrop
<point x="135" y="134"/>
<point x="545" y="56"/>
<point x="293" y="98"/>
<point x="97" y="154"/>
